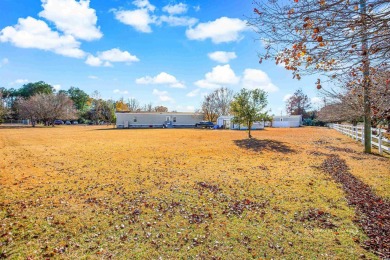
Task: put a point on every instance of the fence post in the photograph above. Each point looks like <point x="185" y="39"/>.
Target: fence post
<point x="380" y="141"/>
<point x="362" y="134"/>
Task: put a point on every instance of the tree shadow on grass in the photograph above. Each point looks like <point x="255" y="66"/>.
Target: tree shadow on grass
<point x="259" y="146"/>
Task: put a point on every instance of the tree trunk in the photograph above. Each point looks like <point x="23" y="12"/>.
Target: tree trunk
<point x="366" y="82"/>
<point x="249" y="130"/>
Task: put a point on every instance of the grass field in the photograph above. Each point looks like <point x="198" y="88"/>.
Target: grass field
<point x="71" y="192"/>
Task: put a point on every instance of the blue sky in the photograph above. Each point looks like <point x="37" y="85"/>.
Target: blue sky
<point x="168" y="53"/>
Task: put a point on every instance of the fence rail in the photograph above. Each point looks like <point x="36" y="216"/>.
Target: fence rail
<point x="357" y="132"/>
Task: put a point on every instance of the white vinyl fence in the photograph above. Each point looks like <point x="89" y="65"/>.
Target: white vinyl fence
<point x="357" y="133"/>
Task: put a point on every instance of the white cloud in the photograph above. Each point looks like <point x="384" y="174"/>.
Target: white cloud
<point x="106" y="57"/>
<point x="197" y="8"/>
<point x="57" y="87"/>
<point x="19" y="82"/>
<point x="178" y="21"/>
<point x="223" y="29"/>
<point x="93" y="77"/>
<point x="97" y="62"/>
<point x="220" y="75"/>
<point x="163" y="96"/>
<point x="33" y="33"/>
<point x="179" y="8"/>
<point x="222" y="56"/>
<point x="287" y="97"/>
<point x="123" y="92"/>
<point x="144" y="4"/>
<point x="116" y="55"/>
<point x="3" y="62"/>
<point x="140" y="19"/>
<point x="162" y="78"/>
<point x="72" y="17"/>
<point x="254" y="78"/>
<point x="193" y="93"/>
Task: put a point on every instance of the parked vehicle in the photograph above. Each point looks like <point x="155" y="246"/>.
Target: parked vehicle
<point x="67" y="122"/>
<point x="58" y="122"/>
<point x="204" y="124"/>
<point x="75" y="122"/>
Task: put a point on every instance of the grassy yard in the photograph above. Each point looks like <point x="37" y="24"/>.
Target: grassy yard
<point x="76" y="191"/>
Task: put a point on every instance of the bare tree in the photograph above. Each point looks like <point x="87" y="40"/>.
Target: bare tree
<point x="347" y="104"/>
<point x="46" y="108"/>
<point x="328" y="37"/>
<point x="148" y="107"/>
<point x="217" y="103"/>
<point x="133" y="104"/>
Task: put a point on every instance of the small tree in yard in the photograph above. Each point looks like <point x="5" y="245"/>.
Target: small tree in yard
<point x="247" y="107"/>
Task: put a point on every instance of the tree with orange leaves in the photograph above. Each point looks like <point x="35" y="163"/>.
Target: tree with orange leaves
<point x="327" y="37"/>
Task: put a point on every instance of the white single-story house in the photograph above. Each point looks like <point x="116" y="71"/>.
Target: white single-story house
<point x="226" y="123"/>
<point x="287" y="121"/>
<point x="156" y="119"/>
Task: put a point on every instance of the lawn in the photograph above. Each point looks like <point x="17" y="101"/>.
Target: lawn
<point x="83" y="191"/>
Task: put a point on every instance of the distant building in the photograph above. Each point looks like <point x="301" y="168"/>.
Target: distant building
<point x="287" y="121"/>
<point x="157" y="119"/>
<point x="226" y="123"/>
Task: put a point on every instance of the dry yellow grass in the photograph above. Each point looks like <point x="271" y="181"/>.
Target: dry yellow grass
<point x="74" y="192"/>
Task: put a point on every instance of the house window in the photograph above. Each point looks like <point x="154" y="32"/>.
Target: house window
<point x="135" y="119"/>
<point x="174" y="119"/>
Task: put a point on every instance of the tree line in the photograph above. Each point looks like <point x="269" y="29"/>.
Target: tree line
<point x="41" y="103"/>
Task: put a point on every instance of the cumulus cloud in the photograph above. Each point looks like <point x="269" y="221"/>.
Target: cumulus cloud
<point x="106" y="57"/>
<point x="144" y="4"/>
<point x="72" y="17"/>
<point x="33" y="33"/>
<point x="179" y="8"/>
<point x="116" y="55"/>
<point x="223" y="29"/>
<point x="140" y="19"/>
<point x="254" y="78"/>
<point x="222" y="56"/>
<point x="97" y="62"/>
<point x="162" y="78"/>
<point x="122" y="92"/>
<point x="219" y="76"/>
<point x="163" y="96"/>
<point x="92" y="77"/>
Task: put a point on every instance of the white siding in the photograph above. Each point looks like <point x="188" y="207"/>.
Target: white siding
<point x="287" y="121"/>
<point x="226" y="120"/>
<point x="156" y="119"/>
